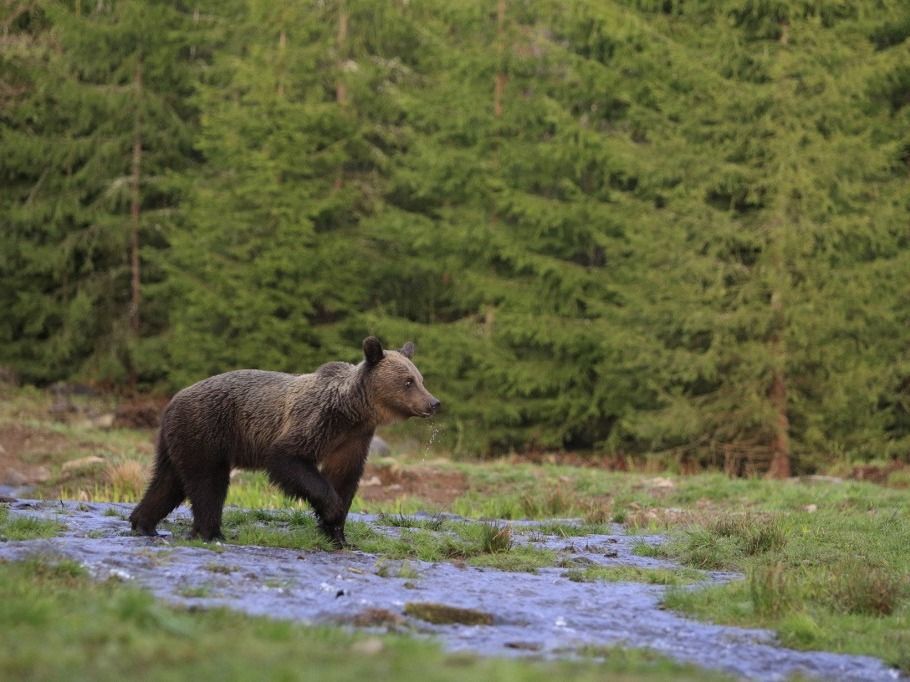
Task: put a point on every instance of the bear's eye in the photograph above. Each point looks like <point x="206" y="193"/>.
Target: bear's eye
<point x="409" y="383"/>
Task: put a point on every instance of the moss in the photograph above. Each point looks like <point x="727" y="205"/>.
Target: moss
<point x="442" y="614"/>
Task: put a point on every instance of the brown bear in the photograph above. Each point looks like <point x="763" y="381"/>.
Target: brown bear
<point x="310" y="432"/>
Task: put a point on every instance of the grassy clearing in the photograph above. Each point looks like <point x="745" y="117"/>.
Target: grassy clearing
<point x="111" y="631"/>
<point x="636" y="574"/>
<point x="26" y="527"/>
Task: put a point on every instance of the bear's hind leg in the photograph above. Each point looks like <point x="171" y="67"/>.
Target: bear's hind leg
<point x="164" y="493"/>
<point x="207" y="495"/>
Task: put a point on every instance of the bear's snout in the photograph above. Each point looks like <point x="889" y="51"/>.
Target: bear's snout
<point x="434" y="405"/>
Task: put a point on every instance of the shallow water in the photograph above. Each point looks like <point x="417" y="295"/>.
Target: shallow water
<point x="542" y="614"/>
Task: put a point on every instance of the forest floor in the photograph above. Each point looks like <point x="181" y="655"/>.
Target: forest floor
<point x="637" y="574"/>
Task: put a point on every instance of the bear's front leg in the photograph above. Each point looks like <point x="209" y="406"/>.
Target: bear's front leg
<point x="335" y="534"/>
<point x="343" y="468"/>
<point x="301" y="479"/>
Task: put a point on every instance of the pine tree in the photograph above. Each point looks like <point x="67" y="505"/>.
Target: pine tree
<point x="102" y="119"/>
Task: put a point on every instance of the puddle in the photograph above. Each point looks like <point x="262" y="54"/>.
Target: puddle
<point x="541" y="614"/>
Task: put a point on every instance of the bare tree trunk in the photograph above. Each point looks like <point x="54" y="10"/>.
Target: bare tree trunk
<point x="341" y="89"/>
<point x="501" y="78"/>
<point x="780" y="443"/>
<point x="282" y="46"/>
<point x="777" y="392"/>
<point x="135" y="204"/>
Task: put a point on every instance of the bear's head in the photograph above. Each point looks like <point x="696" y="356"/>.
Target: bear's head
<point x="394" y="385"/>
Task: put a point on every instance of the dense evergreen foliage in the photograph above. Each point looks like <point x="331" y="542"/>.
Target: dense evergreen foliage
<point x="632" y="225"/>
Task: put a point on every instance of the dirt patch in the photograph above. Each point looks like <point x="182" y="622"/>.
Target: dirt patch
<point x="26" y="452"/>
<point x="140" y="413"/>
<point x="878" y="473"/>
<point x="389" y="483"/>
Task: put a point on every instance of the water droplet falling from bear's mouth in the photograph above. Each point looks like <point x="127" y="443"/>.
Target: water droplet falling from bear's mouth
<point x="435" y="430"/>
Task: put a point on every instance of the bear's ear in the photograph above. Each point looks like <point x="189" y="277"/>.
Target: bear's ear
<point x="407" y="350"/>
<point x="372" y="350"/>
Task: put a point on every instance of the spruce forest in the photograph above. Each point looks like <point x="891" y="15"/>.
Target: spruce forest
<point x="641" y="227"/>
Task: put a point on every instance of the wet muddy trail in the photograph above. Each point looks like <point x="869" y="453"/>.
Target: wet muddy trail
<point x="542" y="614"/>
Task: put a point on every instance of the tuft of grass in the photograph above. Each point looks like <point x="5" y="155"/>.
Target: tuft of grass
<point x="495" y="538"/>
<point x="636" y="574"/>
<point x="195" y="591"/>
<point x="520" y="559"/>
<point x="396" y="569"/>
<point x="26" y="527"/>
<point x="400" y="520"/>
<point x="650" y="550"/>
<point x="727" y="540"/>
<point x="771" y="589"/>
<point x="862" y="588"/>
<point x="128" y="478"/>
<point x="567" y="530"/>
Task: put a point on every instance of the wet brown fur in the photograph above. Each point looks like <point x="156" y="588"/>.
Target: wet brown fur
<point x="310" y="432"/>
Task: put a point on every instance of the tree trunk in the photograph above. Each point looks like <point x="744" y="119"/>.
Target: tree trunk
<point x="136" y="200"/>
<point x="282" y="46"/>
<point x="501" y="78"/>
<point x="780" y="442"/>
<point x="777" y="393"/>
<point x="341" y="89"/>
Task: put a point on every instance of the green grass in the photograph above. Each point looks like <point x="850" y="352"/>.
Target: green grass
<point x="111" y="631"/>
<point x="636" y="574"/>
<point x="833" y="580"/>
<point x="26" y="527"/>
<point x="477" y="543"/>
<point x="480" y="544"/>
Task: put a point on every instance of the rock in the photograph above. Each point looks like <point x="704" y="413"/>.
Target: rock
<point x="523" y="646"/>
<point x="62" y="405"/>
<point x="40" y="475"/>
<point x="61" y="388"/>
<point x="818" y="478"/>
<point x="375" y="617"/>
<point x="369" y="647"/>
<point x="81" y="463"/>
<point x="811" y="508"/>
<point x="103" y="421"/>
<point x="14" y="478"/>
<point x="660" y="482"/>
<point x="8" y="376"/>
<point x="379" y="447"/>
<point x="371" y="481"/>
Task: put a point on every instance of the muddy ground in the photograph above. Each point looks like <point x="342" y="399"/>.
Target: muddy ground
<point x="540" y="614"/>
